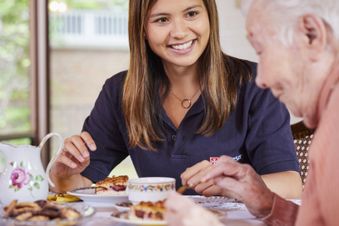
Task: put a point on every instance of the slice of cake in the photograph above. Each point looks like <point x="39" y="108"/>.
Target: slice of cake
<point x="112" y="184"/>
<point x="147" y="211"/>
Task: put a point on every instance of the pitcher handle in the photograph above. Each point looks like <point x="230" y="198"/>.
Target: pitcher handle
<point x="2" y="162"/>
<point x="50" y="164"/>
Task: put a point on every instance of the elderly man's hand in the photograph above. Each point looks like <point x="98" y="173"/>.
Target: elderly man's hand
<point x="181" y="211"/>
<point x="241" y="182"/>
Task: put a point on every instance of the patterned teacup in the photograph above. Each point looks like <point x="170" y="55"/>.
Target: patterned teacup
<point x="150" y="188"/>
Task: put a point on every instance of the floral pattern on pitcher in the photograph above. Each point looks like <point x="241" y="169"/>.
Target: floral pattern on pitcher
<point x="21" y="177"/>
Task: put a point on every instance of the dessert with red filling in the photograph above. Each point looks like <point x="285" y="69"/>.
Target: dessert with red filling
<point x="148" y="211"/>
<point x="112" y="184"/>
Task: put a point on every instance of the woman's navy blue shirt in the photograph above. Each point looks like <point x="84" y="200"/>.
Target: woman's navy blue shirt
<point x="257" y="132"/>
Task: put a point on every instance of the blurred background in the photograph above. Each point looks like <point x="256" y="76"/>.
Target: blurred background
<point x="55" y="56"/>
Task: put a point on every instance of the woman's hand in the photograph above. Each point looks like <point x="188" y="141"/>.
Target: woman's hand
<point x="192" y="176"/>
<point x="241" y="182"/>
<point x="181" y="211"/>
<point x="72" y="160"/>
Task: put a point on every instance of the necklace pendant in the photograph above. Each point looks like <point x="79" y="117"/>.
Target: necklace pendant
<point x="186" y="103"/>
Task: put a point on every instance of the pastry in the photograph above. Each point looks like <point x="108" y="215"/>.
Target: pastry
<point x="147" y="211"/>
<point x="112" y="184"/>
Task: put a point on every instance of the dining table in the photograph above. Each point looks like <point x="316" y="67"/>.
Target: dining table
<point x="229" y="211"/>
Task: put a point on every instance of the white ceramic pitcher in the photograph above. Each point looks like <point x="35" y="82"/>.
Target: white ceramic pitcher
<point x="22" y="176"/>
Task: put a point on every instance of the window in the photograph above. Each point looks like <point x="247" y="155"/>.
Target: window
<point x="24" y="78"/>
<point x="89" y="44"/>
<point x="15" y="92"/>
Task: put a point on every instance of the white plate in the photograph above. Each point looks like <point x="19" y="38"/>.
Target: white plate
<point x="122" y="207"/>
<point x="217" y="202"/>
<point x="296" y="201"/>
<point x="122" y="217"/>
<point x="88" y="195"/>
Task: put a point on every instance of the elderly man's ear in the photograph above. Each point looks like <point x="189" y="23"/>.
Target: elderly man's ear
<point x="315" y="35"/>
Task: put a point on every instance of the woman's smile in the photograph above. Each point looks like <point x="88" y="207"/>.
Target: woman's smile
<point x="182" y="48"/>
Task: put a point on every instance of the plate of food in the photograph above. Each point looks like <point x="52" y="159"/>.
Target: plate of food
<point x="143" y="213"/>
<point x="123" y="206"/>
<point x="107" y="192"/>
<point x="45" y="213"/>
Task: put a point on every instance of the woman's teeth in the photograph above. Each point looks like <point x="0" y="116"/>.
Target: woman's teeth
<point x="183" y="46"/>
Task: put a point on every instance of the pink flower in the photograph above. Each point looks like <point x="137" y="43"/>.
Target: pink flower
<point x="20" y="177"/>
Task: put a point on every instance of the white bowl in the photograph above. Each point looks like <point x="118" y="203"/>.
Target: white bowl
<point x="149" y="188"/>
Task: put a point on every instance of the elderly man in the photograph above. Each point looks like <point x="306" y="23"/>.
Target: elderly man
<point x="297" y="42"/>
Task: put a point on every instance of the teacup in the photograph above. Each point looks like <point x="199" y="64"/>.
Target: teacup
<point x="150" y="188"/>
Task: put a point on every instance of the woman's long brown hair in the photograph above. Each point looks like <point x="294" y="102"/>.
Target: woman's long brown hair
<point x="220" y="77"/>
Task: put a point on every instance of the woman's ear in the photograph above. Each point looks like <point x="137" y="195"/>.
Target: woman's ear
<point x="314" y="31"/>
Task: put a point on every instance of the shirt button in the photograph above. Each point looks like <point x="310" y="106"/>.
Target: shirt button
<point x="174" y="137"/>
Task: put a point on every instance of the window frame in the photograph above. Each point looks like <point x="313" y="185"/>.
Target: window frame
<point x="39" y="74"/>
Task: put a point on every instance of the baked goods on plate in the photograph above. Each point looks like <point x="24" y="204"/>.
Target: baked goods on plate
<point x="112" y="184"/>
<point x="143" y="213"/>
<point x="44" y="212"/>
<point x="104" y="193"/>
<point x="147" y="211"/>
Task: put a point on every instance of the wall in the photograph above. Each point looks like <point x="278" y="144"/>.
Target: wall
<point x="233" y="34"/>
<point x="77" y="78"/>
<point x="232" y="31"/>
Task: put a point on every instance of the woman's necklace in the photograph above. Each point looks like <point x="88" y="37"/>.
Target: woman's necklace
<point x="186" y="103"/>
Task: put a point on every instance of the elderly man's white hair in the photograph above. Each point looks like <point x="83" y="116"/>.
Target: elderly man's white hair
<point x="288" y="11"/>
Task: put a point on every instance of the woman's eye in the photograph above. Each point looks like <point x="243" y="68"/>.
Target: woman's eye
<point x="161" y="20"/>
<point x="192" y="13"/>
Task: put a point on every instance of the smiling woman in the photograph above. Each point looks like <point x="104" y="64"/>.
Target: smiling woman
<point x="209" y="107"/>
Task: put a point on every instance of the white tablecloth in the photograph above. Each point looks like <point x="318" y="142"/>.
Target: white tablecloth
<point x="235" y="213"/>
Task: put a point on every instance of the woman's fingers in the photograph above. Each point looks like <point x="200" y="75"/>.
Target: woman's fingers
<point x="195" y="180"/>
<point x="75" y="152"/>
<point x="75" y="147"/>
<point x="193" y="175"/>
<point x="80" y="147"/>
<point x="87" y="138"/>
<point x="228" y="168"/>
<point x="189" y="173"/>
<point x="64" y="159"/>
